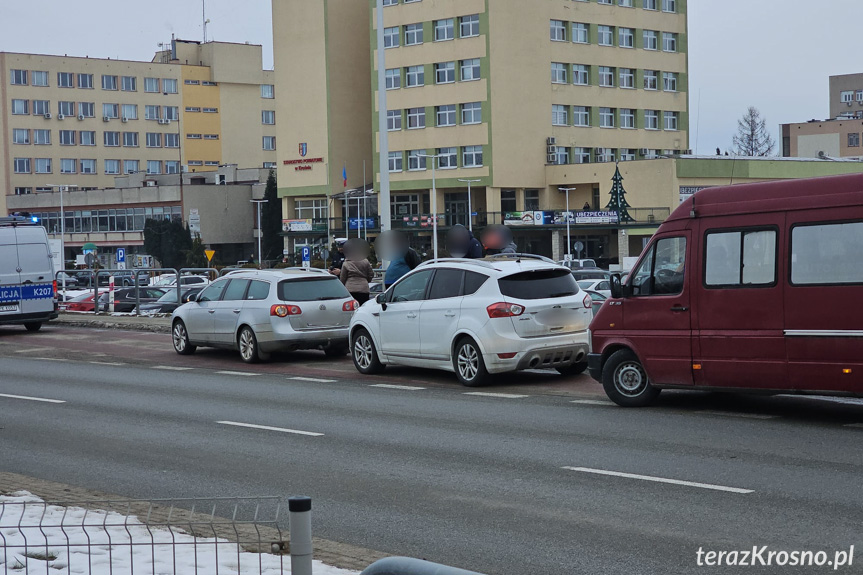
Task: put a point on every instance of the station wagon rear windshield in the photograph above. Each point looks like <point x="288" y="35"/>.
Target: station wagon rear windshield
<point x="539" y="284"/>
<point x="312" y="289"/>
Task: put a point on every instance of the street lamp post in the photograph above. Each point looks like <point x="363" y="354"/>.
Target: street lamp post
<point x="469" y="205"/>
<point x="433" y="201"/>
<point x="62" y="188"/>
<point x="568" y="218"/>
<point x="258" y="204"/>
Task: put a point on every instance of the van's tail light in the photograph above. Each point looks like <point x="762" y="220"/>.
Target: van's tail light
<point x="283" y="310"/>
<point x="55" y="289"/>
<point x="588" y="301"/>
<point x="352" y="305"/>
<point x="503" y="309"/>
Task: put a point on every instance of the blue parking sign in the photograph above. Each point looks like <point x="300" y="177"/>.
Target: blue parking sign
<point x="307" y="254"/>
<point x="121" y="255"/>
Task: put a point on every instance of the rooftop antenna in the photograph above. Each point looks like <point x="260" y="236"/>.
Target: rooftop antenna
<point x="204" y="18"/>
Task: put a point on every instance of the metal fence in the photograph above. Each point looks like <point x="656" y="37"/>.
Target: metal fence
<point x="223" y="536"/>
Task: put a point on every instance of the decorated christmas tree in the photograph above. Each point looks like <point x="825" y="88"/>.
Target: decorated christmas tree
<point x="618" y="201"/>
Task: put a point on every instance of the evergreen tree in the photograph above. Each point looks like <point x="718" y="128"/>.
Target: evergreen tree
<point x="272" y="242"/>
<point x="753" y="138"/>
<point x="618" y="201"/>
<point x="168" y="241"/>
<point x="195" y="257"/>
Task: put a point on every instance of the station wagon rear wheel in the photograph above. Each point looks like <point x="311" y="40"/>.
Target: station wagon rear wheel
<point x="468" y="363"/>
<point x="625" y="381"/>
<point x="180" y="337"/>
<point x="364" y="354"/>
<point x="248" y="344"/>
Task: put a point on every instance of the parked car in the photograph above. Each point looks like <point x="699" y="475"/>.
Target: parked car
<point x="475" y="318"/>
<point x="28" y="294"/>
<point x="70" y="280"/>
<point x="579" y="264"/>
<point x="602" y="286"/>
<point x="168" y="280"/>
<point x="126" y="278"/>
<point x="588" y="274"/>
<point x="83" y="302"/>
<point x="125" y="300"/>
<point x="259" y="312"/>
<point x="598" y="300"/>
<point x="168" y="302"/>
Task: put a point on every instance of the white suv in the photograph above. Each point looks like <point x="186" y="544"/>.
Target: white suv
<point x="476" y="317"/>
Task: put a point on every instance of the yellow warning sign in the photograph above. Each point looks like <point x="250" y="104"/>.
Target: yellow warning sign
<point x="210" y="254"/>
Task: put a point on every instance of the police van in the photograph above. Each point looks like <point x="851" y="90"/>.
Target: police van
<point x="27" y="284"/>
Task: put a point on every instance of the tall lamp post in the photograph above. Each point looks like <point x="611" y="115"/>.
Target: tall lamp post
<point x="469" y="204"/>
<point x="258" y="203"/>
<point x="62" y="188"/>
<point x="433" y="200"/>
<point x="568" y="218"/>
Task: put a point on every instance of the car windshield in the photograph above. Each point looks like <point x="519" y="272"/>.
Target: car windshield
<point x="311" y="289"/>
<point x="539" y="284"/>
<point x="585" y="284"/>
<point x="83" y="297"/>
<point x="169" y="297"/>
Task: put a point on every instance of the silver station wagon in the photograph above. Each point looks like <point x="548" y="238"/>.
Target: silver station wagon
<point x="260" y="312"/>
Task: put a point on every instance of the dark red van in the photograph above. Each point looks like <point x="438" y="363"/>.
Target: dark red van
<point x="745" y="287"/>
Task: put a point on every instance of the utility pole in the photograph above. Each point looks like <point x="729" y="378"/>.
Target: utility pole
<point x="258" y="203"/>
<point x="568" y="218"/>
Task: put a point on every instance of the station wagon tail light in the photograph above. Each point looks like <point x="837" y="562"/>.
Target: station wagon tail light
<point x="503" y="309"/>
<point x="282" y="310"/>
<point x="588" y="301"/>
<point x="352" y="305"/>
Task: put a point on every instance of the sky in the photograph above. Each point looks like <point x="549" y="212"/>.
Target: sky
<point x="775" y="55"/>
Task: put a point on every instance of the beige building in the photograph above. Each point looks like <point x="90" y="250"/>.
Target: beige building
<point x="80" y="122"/>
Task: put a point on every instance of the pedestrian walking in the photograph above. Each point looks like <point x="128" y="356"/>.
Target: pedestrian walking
<point x="356" y="271"/>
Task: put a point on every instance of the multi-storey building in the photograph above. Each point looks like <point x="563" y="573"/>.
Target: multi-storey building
<point x="513" y="95"/>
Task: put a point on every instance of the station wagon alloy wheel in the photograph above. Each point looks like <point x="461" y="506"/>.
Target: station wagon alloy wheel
<point x="248" y="345"/>
<point x="181" y="339"/>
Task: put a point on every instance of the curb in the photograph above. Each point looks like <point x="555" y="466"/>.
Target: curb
<point x="99" y="323"/>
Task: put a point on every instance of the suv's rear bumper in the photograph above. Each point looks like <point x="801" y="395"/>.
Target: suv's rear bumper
<point x="552" y="353"/>
<point x="594" y="366"/>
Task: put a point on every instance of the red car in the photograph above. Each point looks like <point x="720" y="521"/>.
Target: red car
<point x="81" y="303"/>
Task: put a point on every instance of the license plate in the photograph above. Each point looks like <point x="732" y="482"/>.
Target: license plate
<point x="8" y="308"/>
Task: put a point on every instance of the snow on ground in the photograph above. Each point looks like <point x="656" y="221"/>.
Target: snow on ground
<point x="114" y="544"/>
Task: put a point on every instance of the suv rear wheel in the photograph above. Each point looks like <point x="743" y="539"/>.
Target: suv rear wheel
<point x="364" y="354"/>
<point x="468" y="363"/>
<point x="572" y="369"/>
<point x="625" y="381"/>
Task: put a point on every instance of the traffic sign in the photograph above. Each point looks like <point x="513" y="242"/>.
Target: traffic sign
<point x="121" y="255"/>
<point x="209" y="254"/>
<point x="307" y="256"/>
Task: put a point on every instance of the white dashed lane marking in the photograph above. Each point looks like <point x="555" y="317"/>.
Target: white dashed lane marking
<point x="239" y="373"/>
<point x="499" y="395"/>
<point x="312" y="379"/>
<point x="28" y="398"/>
<point x="592" y="402"/>
<point x="114" y="363"/>
<point x="391" y="386"/>
<point x="661" y="480"/>
<point x="270" y="428"/>
<point x="172" y="368"/>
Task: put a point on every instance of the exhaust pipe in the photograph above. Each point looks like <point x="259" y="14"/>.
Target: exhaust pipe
<point x="579" y="357"/>
<point x="534" y="361"/>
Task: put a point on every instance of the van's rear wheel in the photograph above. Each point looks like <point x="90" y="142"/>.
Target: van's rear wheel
<point x="33" y="325"/>
<point x="625" y="381"/>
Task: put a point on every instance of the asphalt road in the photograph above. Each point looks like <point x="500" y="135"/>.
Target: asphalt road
<point x="476" y="481"/>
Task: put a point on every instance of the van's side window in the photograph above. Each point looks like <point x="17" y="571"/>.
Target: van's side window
<point x="661" y="271"/>
<point x="740" y="258"/>
<point x="827" y="254"/>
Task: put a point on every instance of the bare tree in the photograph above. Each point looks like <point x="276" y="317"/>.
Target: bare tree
<point x="752" y="137"/>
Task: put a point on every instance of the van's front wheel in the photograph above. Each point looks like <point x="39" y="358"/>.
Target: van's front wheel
<point x="625" y="381"/>
<point x="33" y="325"/>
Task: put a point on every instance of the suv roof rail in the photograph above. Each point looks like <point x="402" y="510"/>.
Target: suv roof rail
<point x="302" y="269"/>
<point x="458" y="261"/>
<point x="519" y="256"/>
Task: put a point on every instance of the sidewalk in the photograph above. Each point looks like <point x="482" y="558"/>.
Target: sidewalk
<point x="106" y="321"/>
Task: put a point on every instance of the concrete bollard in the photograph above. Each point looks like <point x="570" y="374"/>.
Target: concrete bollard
<point x="300" y="509"/>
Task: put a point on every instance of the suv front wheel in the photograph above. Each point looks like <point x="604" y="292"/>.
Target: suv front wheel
<point x="468" y="363"/>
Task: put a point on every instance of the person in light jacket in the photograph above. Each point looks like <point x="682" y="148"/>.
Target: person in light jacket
<point x="356" y="271"/>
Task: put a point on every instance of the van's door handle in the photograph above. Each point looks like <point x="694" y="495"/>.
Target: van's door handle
<point x="411" y="315"/>
<point x="679" y="308"/>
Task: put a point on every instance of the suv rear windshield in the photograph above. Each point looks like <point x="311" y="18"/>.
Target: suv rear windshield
<point x="312" y="289"/>
<point x="539" y="284"/>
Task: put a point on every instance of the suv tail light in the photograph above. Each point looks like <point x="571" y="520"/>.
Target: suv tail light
<point x="588" y="301"/>
<point x="352" y="305"/>
<point x="284" y="310"/>
<point x="503" y="309"/>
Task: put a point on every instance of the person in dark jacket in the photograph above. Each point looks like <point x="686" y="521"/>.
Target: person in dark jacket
<point x="497" y="239"/>
<point x="460" y="243"/>
<point x="338" y="259"/>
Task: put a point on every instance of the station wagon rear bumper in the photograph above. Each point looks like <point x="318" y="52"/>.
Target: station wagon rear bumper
<point x="270" y="341"/>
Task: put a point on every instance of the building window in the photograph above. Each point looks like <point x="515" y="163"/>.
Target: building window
<point x="111" y="110"/>
<point x="559" y="115"/>
<point x="531" y="200"/>
<point x="395" y="162"/>
<point x="269" y="142"/>
<point x="196" y="162"/>
<point x="414" y="76"/>
<point x="416" y="118"/>
<point x="87" y="109"/>
<point x="558" y="30"/>
<point x="154" y="167"/>
<point x="627" y="118"/>
<point x="87" y="138"/>
<point x="669" y="42"/>
<point x="627" y="154"/>
<point x="23" y="191"/>
<point x="131" y="166"/>
<point x="580" y="75"/>
<point x="471" y="113"/>
<point x="151" y="85"/>
<point x="651" y="40"/>
<point x="192" y="82"/>
<point x="391" y="37"/>
<point x="626" y="37"/>
<point x="650" y="4"/>
<point x="853" y="140"/>
<point x="40" y="78"/>
<point x="67" y="137"/>
<point x="604" y="155"/>
<point x="469" y="69"/>
<point x="65" y="80"/>
<point x="109" y="82"/>
<point x="169" y="86"/>
<point x="581" y="116"/>
<point x="558" y="73"/>
<point x="154" y="140"/>
<point x="671" y="119"/>
<point x="66" y="108"/>
<point x="394" y="120"/>
<point x="211" y="136"/>
<point x="651" y="80"/>
<point x="669" y="5"/>
<point x="43" y="166"/>
<point x="130" y="139"/>
<point x="21" y="107"/>
<point x="271" y="165"/>
<point x="507" y="201"/>
<point x="172" y="140"/>
<point x="85" y="81"/>
<point x="447" y="158"/>
<point x="606" y="117"/>
<point x="311" y="209"/>
<point x="471" y="156"/>
<point x="20" y="136"/>
<point x="152" y="112"/>
<point x="210" y="110"/>
<point x="468" y="26"/>
<point x="129" y="83"/>
<point x="42" y="137"/>
<point x="845" y="96"/>
<point x="393" y="78"/>
<point x="606" y="77"/>
<point x="390" y="2"/>
<point x="112" y="167"/>
<point x="19" y="78"/>
<point x="416" y="160"/>
<point x="605" y="35"/>
<point x="268" y="117"/>
<point x="173" y="166"/>
<point x="172" y="113"/>
<point x="68" y="166"/>
<point x="444" y="30"/>
<point x="561" y="156"/>
<point x="444" y="72"/>
<point x="445" y="115"/>
<point x="130" y="111"/>
<point x="41" y="107"/>
<point x="413" y="34"/>
<point x="625" y="3"/>
<point x="581" y="155"/>
<point x="627" y="78"/>
<point x="669" y="81"/>
<point x="112" y="139"/>
<point x="580" y="33"/>
<point x="651" y="119"/>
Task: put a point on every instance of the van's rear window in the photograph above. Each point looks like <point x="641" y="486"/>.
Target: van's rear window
<point x="539" y="284"/>
<point x="312" y="289"/>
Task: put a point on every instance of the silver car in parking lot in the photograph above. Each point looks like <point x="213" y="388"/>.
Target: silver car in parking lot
<point x="260" y="312"/>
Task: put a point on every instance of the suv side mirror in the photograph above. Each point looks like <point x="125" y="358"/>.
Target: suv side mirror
<point x="193" y="297"/>
<point x="616" y="286"/>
